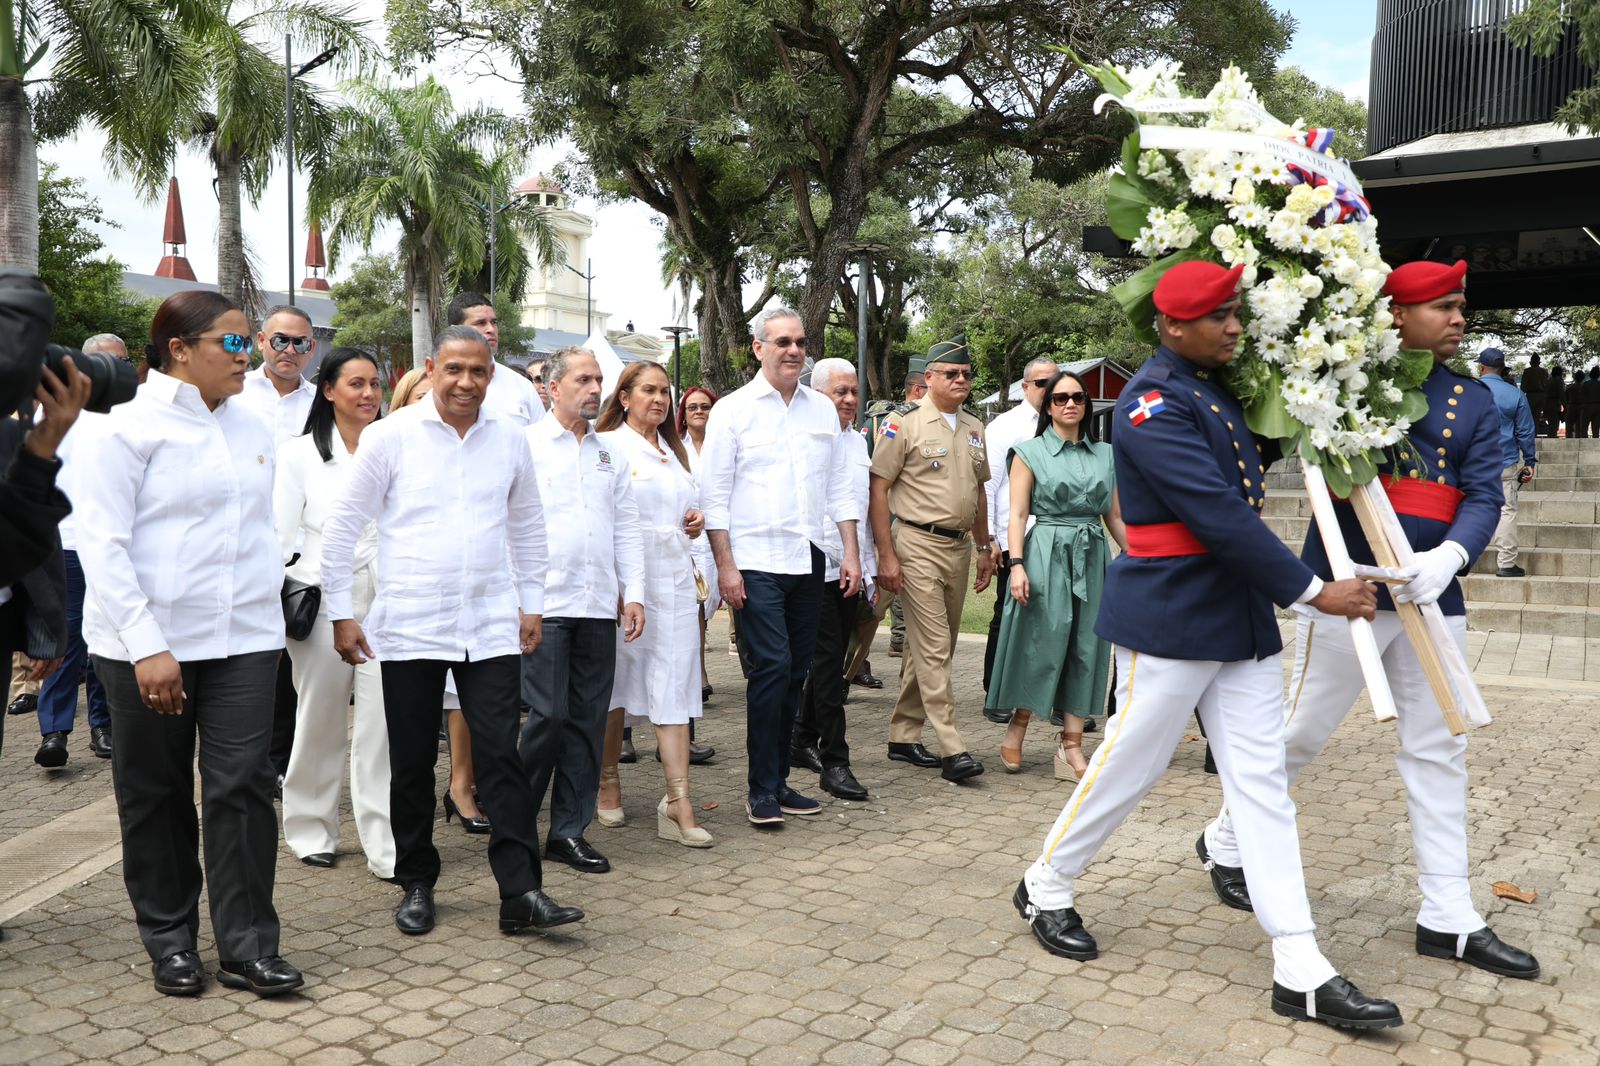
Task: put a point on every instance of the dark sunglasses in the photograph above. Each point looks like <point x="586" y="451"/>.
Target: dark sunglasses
<point x="537" y="379"/>
<point x="1040" y="383"/>
<point x="232" y="343"/>
<point x="695" y="408"/>
<point x="787" y="342"/>
<point x="1061" y="399"/>
<point x="956" y="375"/>
<point x="281" y="341"/>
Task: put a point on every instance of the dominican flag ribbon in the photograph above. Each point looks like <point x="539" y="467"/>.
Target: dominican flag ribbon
<point x="1146" y="406"/>
<point x="1347" y="202"/>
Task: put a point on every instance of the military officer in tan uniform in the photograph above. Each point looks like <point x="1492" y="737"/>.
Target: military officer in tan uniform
<point x="928" y="513"/>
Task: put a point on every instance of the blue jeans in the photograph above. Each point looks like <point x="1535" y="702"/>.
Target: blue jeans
<point x="58" y="697"/>
<point x="778" y="626"/>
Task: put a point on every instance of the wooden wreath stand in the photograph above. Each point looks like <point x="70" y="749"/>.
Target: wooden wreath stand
<point x="1442" y="662"/>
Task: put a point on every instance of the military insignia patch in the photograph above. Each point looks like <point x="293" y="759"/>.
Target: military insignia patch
<point x="890" y="429"/>
<point x="1147" y="406"/>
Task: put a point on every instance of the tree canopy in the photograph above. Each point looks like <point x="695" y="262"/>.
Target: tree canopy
<point x="86" y="285"/>
<point x="1542" y="26"/>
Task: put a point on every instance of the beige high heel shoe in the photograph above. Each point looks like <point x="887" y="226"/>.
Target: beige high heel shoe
<point x="1011" y="758"/>
<point x="1064" y="769"/>
<point x="610" y="817"/>
<point x="668" y="829"/>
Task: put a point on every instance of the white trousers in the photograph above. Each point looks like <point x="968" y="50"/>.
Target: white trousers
<point x="1433" y="764"/>
<point x="324" y="684"/>
<point x="1241" y="706"/>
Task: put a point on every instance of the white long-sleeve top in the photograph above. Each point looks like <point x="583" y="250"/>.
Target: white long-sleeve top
<point x="773" y="474"/>
<point x="859" y="464"/>
<point x="303" y="494"/>
<point x="285" y="414"/>
<point x="175" y="528"/>
<point x="512" y="396"/>
<point x="1004" y="433"/>
<point x="88" y="423"/>
<point x="461" y="544"/>
<point x="591" y="522"/>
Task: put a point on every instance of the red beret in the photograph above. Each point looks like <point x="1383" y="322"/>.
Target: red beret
<point x="1196" y="288"/>
<point x="1419" y="282"/>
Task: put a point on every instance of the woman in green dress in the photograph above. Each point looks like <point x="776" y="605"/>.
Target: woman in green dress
<point x="1049" y="658"/>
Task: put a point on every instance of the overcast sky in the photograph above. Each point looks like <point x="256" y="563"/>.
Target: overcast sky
<point x="1332" y="44"/>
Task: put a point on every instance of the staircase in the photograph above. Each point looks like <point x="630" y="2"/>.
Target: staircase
<point x="1557" y="529"/>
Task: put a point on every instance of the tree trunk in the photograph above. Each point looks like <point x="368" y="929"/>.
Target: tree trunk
<point x="723" y="287"/>
<point x="230" y="228"/>
<point x="19" y="178"/>
<point x="421" y="315"/>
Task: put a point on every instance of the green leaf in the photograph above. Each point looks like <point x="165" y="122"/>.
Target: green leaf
<point x="1362" y="469"/>
<point x="1130" y="154"/>
<point x="1268" y="415"/>
<point x="1333" y="472"/>
<point x="1127" y="206"/>
<point x="1413" y="405"/>
<point x="1412" y="368"/>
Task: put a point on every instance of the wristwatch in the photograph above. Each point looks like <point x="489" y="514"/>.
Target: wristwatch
<point x="1014" y="562"/>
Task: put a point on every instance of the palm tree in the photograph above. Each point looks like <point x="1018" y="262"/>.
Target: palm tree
<point x="124" y="65"/>
<point x="405" y="155"/>
<point x="240" y="123"/>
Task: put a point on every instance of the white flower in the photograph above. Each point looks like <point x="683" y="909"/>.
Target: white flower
<point x="1340" y="301"/>
<point x="1243" y="191"/>
<point x="1310" y="286"/>
<point x="1155" y="167"/>
<point x="1224" y="236"/>
<point x="1302" y="201"/>
<point x="1272" y="349"/>
<point x="1323" y="194"/>
<point x="1250" y="215"/>
<point x="1391" y="392"/>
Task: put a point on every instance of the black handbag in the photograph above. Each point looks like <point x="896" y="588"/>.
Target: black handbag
<point x="301" y="602"/>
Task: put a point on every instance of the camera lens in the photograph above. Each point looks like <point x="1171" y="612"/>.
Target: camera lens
<point x="111" y="380"/>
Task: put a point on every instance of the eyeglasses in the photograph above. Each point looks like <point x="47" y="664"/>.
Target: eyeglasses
<point x="956" y="375"/>
<point x="1061" y="399"/>
<point x="787" y="342"/>
<point x="696" y="408"/>
<point x="1039" y="383"/>
<point x="282" y="341"/>
<point x="537" y="379"/>
<point x="232" y="343"/>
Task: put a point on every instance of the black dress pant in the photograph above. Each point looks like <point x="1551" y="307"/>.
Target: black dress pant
<point x="229" y="711"/>
<point x="821" y="721"/>
<point x="413" y="700"/>
<point x="284" y="707"/>
<point x="566" y="684"/>
<point x="1002" y="590"/>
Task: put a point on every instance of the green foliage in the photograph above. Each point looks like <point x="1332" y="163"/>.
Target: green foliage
<point x="1542" y="26"/>
<point x="87" y="286"/>
<point x="370" y="309"/>
<point x="1290" y="94"/>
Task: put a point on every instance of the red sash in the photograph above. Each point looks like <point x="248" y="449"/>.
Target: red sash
<point x="1163" y="539"/>
<point x="1423" y="499"/>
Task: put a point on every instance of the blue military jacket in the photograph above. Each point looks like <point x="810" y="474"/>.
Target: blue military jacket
<point x="1456" y="443"/>
<point x="1183" y="454"/>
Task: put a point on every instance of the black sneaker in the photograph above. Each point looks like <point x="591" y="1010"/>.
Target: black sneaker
<point x="1511" y="571"/>
<point x="791" y="802"/>
<point x="763" y="810"/>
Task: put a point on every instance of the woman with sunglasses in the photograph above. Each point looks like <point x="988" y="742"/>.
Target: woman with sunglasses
<point x="184" y="615"/>
<point x="1048" y="657"/>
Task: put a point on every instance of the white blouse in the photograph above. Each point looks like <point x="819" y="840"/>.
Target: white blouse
<point x="303" y="496"/>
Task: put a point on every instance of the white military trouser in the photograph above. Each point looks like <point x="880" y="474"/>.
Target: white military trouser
<point x="1241" y="705"/>
<point x="1433" y="764"/>
<point x="324" y="684"/>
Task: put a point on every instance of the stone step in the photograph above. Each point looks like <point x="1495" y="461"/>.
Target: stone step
<point x="1292" y="531"/>
<point x="1491" y="591"/>
<point x="1571" y="563"/>
<point x="1558" y="509"/>
<point x="1542" y="619"/>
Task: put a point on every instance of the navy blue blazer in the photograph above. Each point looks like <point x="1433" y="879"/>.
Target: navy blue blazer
<point x="1456" y="443"/>
<point x="1183" y="454"/>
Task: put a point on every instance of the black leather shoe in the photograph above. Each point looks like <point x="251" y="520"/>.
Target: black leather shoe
<point x="535" y="910"/>
<point x="577" y="853"/>
<point x="1510" y="571"/>
<point x="1058" y="932"/>
<point x="865" y="679"/>
<point x="628" y="754"/>
<point x="1335" y="1002"/>
<point x="100" y="741"/>
<point x="180" y="974"/>
<point x="1481" y="949"/>
<point x="807" y="757"/>
<point x="960" y="767"/>
<point x="1226" y="881"/>
<point x="915" y="754"/>
<point x="998" y="716"/>
<point x="52" y="751"/>
<point x="27" y="703"/>
<point x="268" y="976"/>
<point x="839" y="781"/>
<point x="700" y="754"/>
<point x="323" y="859"/>
<point x="415" y="915"/>
<point x="474" y="826"/>
<point x="1089" y="726"/>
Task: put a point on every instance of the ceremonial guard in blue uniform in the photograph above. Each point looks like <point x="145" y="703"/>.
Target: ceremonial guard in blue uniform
<point x="1446" y="489"/>
<point x="1189" y="608"/>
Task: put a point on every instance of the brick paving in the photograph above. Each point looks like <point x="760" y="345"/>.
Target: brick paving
<point x="878" y="932"/>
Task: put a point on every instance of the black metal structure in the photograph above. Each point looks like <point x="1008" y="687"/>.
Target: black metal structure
<point x="1443" y="66"/>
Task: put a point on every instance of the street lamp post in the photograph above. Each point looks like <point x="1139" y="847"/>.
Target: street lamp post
<point x="677" y="358"/>
<point x="588" y="291"/>
<point x="289" y="75"/>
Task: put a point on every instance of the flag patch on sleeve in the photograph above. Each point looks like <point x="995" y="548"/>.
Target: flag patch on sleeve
<point x="890" y="429"/>
<point x="1147" y="406"/>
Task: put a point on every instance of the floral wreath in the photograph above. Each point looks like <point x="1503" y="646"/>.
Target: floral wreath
<point x="1218" y="178"/>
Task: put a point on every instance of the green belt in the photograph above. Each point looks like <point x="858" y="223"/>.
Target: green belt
<point x="1086" y="529"/>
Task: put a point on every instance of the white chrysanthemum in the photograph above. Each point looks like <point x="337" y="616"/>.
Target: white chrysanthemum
<point x="1251" y="215"/>
<point x="1272" y="349"/>
<point x="1340" y="301"/>
<point x="1302" y="201"/>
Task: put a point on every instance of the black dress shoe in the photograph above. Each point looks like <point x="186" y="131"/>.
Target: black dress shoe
<point x="807" y="757"/>
<point x="1510" y="571"/>
<point x="268" y="976"/>
<point x="1481" y="949"/>
<point x="865" y="680"/>
<point x="1089" y="726"/>
<point x="474" y="826"/>
<point x="180" y="974"/>
<point x="1226" y="881"/>
<point x="324" y="859"/>
<point x="960" y="767"/>
<point x="628" y="754"/>
<point x="27" y="703"/>
<point x="1058" y="932"/>
<point x="998" y="716"/>
<point x="577" y="853"/>
<point x="1335" y="1002"/>
<point x="915" y="754"/>
<point x="415" y="915"/>
<point x="100" y="741"/>
<point x="700" y="754"/>
<point x="839" y="781"/>
<point x="535" y="910"/>
<point x="52" y="751"/>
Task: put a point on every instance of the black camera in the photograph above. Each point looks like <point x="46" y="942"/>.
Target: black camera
<point x="27" y="314"/>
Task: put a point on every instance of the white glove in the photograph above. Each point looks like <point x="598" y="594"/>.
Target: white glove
<point x="1430" y="573"/>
